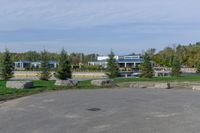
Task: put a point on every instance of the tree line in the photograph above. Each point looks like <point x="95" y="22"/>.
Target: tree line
<point x="63" y="71"/>
<point x="75" y="58"/>
<point x="187" y="55"/>
<point x="79" y="61"/>
<point x="174" y="57"/>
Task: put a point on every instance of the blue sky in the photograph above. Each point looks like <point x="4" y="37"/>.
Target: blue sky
<point x="88" y="26"/>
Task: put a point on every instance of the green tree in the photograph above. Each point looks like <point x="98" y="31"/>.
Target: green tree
<point x="45" y="70"/>
<point x="32" y="56"/>
<point x="146" y="67"/>
<point x="6" y="66"/>
<point x="112" y="69"/>
<point x="176" y="67"/>
<point x="63" y="71"/>
<point x="198" y="67"/>
<point x="166" y="56"/>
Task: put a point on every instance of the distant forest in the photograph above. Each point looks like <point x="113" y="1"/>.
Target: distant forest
<point x="188" y="55"/>
<point x="75" y="58"/>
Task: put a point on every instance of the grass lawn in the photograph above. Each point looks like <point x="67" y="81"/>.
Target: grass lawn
<point x="40" y="86"/>
<point x="170" y="79"/>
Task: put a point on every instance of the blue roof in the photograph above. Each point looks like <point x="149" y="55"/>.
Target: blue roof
<point x="132" y="55"/>
<point x="123" y="61"/>
<point x="36" y="62"/>
<point x="53" y="62"/>
<point x="130" y="60"/>
<point x="99" y="61"/>
<point x="50" y="62"/>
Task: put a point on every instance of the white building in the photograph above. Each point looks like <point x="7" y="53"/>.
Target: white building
<point x="24" y="65"/>
<point x="36" y="64"/>
<point x="103" y="58"/>
<point x="125" y="61"/>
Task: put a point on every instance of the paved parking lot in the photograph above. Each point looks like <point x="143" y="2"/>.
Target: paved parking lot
<point x="104" y="111"/>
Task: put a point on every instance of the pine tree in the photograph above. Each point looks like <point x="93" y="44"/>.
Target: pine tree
<point x="176" y="67"/>
<point x="112" y="67"/>
<point x="63" y="71"/>
<point x="146" y="67"/>
<point x="45" y="70"/>
<point x="198" y="67"/>
<point x="6" y="66"/>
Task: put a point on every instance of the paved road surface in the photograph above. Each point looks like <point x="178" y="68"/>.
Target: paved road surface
<point x="122" y="111"/>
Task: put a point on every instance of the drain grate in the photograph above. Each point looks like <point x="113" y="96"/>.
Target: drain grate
<point x="94" y="109"/>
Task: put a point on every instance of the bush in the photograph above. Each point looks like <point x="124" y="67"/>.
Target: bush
<point x="6" y="66"/>
<point x="63" y="71"/>
<point x="112" y="69"/>
<point x="45" y="71"/>
<point x="176" y="67"/>
<point x="146" y="67"/>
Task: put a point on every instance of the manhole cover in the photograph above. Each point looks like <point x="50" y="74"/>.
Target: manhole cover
<point x="94" y="109"/>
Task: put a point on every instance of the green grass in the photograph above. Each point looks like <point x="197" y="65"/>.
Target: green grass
<point x="8" y="93"/>
<point x="171" y="79"/>
<point x="44" y="84"/>
<point x="39" y="86"/>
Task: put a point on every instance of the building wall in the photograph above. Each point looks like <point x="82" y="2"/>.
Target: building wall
<point x="101" y="58"/>
<point x="25" y="66"/>
<point x="127" y="63"/>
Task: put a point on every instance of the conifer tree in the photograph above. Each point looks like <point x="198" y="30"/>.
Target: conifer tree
<point x="112" y="67"/>
<point x="45" y="70"/>
<point x="146" y="67"/>
<point x="176" y="67"/>
<point x="63" y="71"/>
<point x="6" y="66"/>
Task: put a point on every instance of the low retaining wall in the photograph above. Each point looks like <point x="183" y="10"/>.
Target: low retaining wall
<point x="156" y="85"/>
<point x="151" y="84"/>
<point x="34" y="74"/>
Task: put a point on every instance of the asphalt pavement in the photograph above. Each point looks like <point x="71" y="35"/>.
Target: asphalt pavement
<point x="104" y="111"/>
